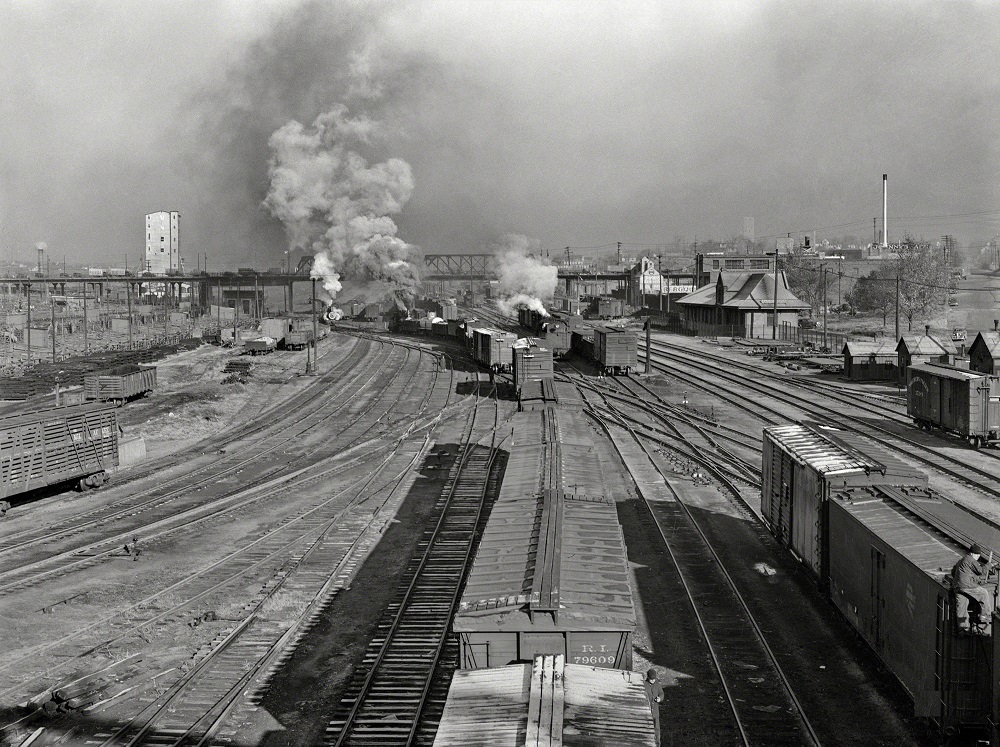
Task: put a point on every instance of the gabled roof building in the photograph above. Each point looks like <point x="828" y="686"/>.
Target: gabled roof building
<point x="741" y="304"/>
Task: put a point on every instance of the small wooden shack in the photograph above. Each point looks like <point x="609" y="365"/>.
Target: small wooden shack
<point x="913" y="349"/>
<point x="870" y="360"/>
<point x="984" y="355"/>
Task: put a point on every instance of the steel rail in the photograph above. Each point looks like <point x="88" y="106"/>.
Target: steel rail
<point x="692" y="522"/>
<point x="433" y="624"/>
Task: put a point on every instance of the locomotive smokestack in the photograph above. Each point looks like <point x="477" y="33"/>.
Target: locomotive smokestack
<point x="885" y="210"/>
<point x="927" y="330"/>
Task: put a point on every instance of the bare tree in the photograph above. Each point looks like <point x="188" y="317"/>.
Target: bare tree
<point x="923" y="279"/>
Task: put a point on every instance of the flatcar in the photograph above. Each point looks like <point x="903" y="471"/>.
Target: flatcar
<point x="955" y="400"/>
<point x="881" y="545"/>
<point x="71" y="443"/>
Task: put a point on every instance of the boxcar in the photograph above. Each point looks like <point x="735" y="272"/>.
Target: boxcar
<point x="582" y="343"/>
<point x="523" y="596"/>
<point x="492" y="348"/>
<point x="530" y="362"/>
<point x="120" y="383"/>
<point x="56" y="445"/>
<point x="554" y="702"/>
<point x="891" y="552"/>
<point x="448" y="312"/>
<point x="801" y="466"/>
<point x="616" y="350"/>
<point x="955" y="400"/>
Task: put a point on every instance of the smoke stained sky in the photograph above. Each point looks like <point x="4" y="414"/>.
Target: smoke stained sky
<point x="576" y="123"/>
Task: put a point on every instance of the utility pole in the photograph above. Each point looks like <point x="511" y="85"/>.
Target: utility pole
<point x="52" y="332"/>
<point x="27" y="328"/>
<point x="659" y="274"/>
<point x="86" y="338"/>
<point x="567" y="257"/>
<point x="619" y="253"/>
<point x="315" y="327"/>
<point x="825" y="305"/>
<point x="128" y="297"/>
<point x="897" y="305"/>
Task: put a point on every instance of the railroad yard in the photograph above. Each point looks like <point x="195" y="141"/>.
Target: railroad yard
<point x="301" y="559"/>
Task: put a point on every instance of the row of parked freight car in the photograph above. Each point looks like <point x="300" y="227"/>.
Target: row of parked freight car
<point x="546" y="620"/>
<point x="881" y="544"/>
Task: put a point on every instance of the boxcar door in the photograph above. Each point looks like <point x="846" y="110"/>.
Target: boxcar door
<point x="877" y="598"/>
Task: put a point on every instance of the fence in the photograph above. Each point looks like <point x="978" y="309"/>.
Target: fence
<point x="816" y="338"/>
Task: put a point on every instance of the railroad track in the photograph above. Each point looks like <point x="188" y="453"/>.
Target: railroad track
<point x="179" y="502"/>
<point x="765" y="708"/>
<point x="195" y="705"/>
<point x="980" y="479"/>
<point x="262" y="558"/>
<point x="387" y="694"/>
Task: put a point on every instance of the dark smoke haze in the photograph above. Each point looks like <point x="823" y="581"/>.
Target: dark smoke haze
<point x="579" y="123"/>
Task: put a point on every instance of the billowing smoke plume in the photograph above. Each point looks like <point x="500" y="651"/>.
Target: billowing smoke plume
<point x="337" y="206"/>
<point x="525" y="278"/>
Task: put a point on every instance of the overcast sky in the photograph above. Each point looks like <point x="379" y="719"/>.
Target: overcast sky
<point x="574" y="123"/>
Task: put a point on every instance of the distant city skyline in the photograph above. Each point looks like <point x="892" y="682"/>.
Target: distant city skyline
<point x="575" y="124"/>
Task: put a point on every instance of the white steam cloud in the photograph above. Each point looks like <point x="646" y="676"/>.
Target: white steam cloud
<point x="525" y="278"/>
<point x="337" y="206"/>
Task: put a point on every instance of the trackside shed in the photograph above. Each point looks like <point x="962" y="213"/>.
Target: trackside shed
<point x="544" y="704"/>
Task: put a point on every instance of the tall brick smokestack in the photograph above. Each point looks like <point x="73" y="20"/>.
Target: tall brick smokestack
<point x="885" y="210"/>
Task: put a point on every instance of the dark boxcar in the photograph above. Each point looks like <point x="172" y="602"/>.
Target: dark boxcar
<point x="608" y="308"/>
<point x="530" y="363"/>
<point x="58" y="444"/>
<point x="616" y="350"/>
<point x="439" y="329"/>
<point x="890" y="556"/>
<point x="801" y="466"/>
<point x="549" y="698"/>
<point x="956" y="400"/>
<point x="120" y="383"/>
<point x="529" y="319"/>
<point x="582" y="343"/>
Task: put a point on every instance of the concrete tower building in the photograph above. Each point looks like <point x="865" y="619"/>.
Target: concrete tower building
<point x="163" y="242"/>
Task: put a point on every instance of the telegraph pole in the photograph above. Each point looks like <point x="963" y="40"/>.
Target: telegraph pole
<point x="825" y="305"/>
<point x="897" y="306"/>
<point x="659" y="274"/>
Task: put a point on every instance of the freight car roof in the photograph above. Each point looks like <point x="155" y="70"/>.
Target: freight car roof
<point x="830" y="451"/>
<point x="542" y="701"/>
<point x="926" y="528"/>
<point x="948" y="372"/>
<point x="551" y="561"/>
<point x="58" y="411"/>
